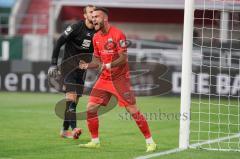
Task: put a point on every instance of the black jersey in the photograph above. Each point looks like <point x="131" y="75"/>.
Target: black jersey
<point x="77" y="39"/>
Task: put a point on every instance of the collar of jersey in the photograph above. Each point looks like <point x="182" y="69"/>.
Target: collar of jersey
<point x="110" y="27"/>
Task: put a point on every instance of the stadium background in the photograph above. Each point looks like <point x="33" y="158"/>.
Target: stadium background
<point x="29" y="28"/>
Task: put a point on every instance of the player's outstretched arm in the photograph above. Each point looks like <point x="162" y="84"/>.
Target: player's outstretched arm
<point x="53" y="69"/>
<point x="60" y="42"/>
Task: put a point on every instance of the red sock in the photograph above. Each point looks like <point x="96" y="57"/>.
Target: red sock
<point x="92" y="122"/>
<point x="142" y="124"/>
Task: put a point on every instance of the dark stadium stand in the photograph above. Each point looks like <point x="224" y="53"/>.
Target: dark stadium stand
<point x="35" y="9"/>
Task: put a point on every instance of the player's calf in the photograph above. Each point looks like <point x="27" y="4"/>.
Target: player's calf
<point x="143" y="126"/>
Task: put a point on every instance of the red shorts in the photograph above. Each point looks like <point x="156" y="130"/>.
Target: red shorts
<point x="120" y="88"/>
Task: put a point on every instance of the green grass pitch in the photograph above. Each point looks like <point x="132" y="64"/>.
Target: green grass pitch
<point x="29" y="129"/>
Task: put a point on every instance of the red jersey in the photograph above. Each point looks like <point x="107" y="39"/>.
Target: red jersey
<point x="107" y="48"/>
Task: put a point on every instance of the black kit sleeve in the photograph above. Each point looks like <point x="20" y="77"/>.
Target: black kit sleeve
<point x="68" y="34"/>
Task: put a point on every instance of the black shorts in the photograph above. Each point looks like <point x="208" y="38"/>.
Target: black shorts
<point x="74" y="81"/>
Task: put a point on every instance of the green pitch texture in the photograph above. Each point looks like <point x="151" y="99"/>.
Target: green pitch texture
<point x="29" y="129"/>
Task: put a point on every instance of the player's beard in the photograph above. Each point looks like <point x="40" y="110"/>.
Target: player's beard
<point x="100" y="25"/>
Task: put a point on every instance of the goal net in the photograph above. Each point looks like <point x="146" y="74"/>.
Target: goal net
<point x="215" y="99"/>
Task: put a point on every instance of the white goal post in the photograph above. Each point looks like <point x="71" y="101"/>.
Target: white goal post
<point x="184" y="131"/>
<point x="215" y="107"/>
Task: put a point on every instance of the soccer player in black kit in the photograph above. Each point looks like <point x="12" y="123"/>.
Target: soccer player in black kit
<point x="77" y="39"/>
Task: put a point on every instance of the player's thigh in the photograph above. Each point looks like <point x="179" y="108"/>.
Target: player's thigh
<point x="92" y="107"/>
<point x="99" y="96"/>
<point x="74" y="82"/>
<point x="124" y="93"/>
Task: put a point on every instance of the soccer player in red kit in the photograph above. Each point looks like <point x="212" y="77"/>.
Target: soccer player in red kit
<point x="110" y="53"/>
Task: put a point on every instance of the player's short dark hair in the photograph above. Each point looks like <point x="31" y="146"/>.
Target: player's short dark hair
<point x="88" y="6"/>
<point x="103" y="9"/>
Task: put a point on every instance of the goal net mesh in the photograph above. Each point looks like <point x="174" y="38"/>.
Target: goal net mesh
<point x="215" y="105"/>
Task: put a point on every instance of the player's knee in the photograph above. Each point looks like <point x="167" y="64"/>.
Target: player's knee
<point x="72" y="96"/>
<point x="132" y="109"/>
<point x="91" y="107"/>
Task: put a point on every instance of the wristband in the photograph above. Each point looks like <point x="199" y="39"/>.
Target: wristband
<point x="108" y="66"/>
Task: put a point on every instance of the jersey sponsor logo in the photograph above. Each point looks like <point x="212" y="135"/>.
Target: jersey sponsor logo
<point x="86" y="43"/>
<point x="68" y="30"/>
<point x="108" y="52"/>
<point x="110" y="45"/>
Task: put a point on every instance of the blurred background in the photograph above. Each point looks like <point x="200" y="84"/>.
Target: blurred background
<point x="29" y="29"/>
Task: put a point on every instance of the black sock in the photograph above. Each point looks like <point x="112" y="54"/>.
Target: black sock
<point x="66" y="122"/>
<point x="72" y="114"/>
